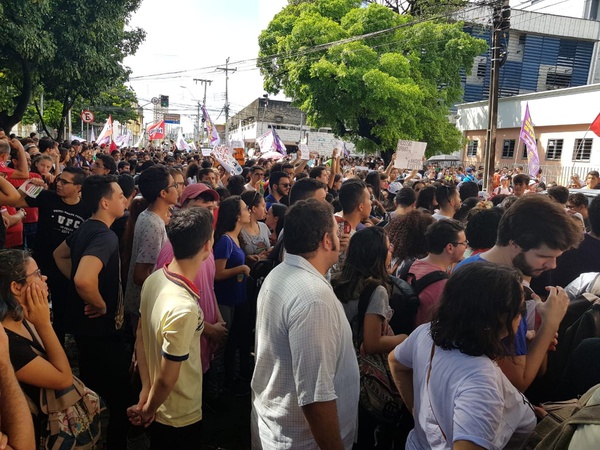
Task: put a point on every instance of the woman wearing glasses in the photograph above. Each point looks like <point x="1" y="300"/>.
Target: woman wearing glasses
<point x="37" y="357"/>
<point x="446" y="370"/>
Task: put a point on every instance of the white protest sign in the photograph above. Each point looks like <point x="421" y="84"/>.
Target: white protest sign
<point x="206" y="151"/>
<point x="304" y="152"/>
<point x="409" y="154"/>
<point x="223" y="155"/>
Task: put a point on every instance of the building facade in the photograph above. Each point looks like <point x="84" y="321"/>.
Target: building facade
<point x="561" y="120"/>
<point x="289" y="122"/>
<point x="541" y="52"/>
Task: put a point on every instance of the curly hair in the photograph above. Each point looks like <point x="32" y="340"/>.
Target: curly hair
<point x="12" y="268"/>
<point x="474" y="320"/>
<point x="407" y="235"/>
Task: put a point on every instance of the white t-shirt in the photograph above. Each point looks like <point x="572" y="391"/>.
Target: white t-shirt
<point x="304" y="355"/>
<point x="149" y="235"/>
<point x="471" y="397"/>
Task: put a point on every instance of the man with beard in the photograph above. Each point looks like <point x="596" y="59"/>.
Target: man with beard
<point x="531" y="235"/>
<point x="279" y="187"/>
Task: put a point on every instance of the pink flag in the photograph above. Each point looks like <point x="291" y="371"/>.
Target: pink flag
<point x="527" y="135"/>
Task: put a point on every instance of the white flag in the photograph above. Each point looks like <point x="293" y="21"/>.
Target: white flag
<point x="107" y="131"/>
<point x="181" y="144"/>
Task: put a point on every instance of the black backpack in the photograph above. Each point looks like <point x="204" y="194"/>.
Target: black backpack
<point x="581" y="321"/>
<point x="404" y="298"/>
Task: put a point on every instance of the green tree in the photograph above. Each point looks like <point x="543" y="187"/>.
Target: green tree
<point x="418" y="8"/>
<point x="24" y="44"/>
<point x="92" y="39"/>
<point x="372" y="75"/>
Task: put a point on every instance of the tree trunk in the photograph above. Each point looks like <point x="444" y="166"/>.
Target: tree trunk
<point x="7" y="122"/>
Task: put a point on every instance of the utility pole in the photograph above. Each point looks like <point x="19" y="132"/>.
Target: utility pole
<point x="226" y="69"/>
<point x="201" y="119"/>
<point x="501" y="22"/>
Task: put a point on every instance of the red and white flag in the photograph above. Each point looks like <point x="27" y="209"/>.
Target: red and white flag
<point x="156" y="131"/>
<point x="107" y="131"/>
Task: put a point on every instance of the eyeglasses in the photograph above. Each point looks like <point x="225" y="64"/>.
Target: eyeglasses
<point x="285" y="185"/>
<point x="63" y="181"/>
<point x="465" y="243"/>
<point x="174" y="185"/>
<point x="37" y="272"/>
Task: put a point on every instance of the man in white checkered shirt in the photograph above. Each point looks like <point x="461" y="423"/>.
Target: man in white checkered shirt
<point x="306" y="382"/>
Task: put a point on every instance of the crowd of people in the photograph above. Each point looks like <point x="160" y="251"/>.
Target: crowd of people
<point x="269" y="283"/>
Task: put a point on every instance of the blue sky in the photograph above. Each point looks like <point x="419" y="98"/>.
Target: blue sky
<point x="183" y="35"/>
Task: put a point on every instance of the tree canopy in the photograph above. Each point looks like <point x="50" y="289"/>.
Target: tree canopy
<point x="67" y="49"/>
<point x="371" y="74"/>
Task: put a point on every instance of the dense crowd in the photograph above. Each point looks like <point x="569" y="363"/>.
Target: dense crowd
<point x="178" y="281"/>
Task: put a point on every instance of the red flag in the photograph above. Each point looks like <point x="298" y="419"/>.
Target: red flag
<point x="113" y="145"/>
<point x="595" y="126"/>
<point x="156" y="131"/>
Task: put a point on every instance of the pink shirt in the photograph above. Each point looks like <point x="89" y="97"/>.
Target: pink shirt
<point x="204" y="281"/>
<point x="430" y="296"/>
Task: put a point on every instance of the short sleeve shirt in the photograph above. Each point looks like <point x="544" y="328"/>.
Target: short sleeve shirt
<point x="467" y="398"/>
<point x="231" y="291"/>
<point x="172" y="323"/>
<point x="94" y="238"/>
<point x="253" y="244"/>
<point x="149" y="236"/>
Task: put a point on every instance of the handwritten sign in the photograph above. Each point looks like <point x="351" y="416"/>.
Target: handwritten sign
<point x="223" y="155"/>
<point x="409" y="154"/>
<point x="304" y="152"/>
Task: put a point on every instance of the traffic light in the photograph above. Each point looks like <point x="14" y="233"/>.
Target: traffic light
<point x="164" y="101"/>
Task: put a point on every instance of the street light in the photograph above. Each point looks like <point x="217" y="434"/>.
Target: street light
<point x="262" y="124"/>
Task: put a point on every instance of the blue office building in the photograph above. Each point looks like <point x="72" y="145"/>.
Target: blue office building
<point x="541" y="52"/>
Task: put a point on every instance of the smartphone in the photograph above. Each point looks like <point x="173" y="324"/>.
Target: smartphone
<point x="343" y="226"/>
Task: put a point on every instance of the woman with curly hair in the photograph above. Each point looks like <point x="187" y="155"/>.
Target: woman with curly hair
<point x="446" y="370"/>
<point x="407" y="236"/>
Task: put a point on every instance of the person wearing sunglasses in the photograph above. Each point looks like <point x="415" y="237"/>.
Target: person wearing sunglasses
<point x="279" y="188"/>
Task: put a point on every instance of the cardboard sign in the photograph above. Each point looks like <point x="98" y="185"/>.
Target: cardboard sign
<point x="206" y="151"/>
<point x="237" y="149"/>
<point x="222" y="154"/>
<point x="409" y="154"/>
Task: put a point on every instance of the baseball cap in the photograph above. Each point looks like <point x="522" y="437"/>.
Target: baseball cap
<point x="394" y="187"/>
<point x="469" y="170"/>
<point x="194" y="190"/>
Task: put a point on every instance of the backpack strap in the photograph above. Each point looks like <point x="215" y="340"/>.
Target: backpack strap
<point x="404" y="268"/>
<point x="432" y="277"/>
<point x="363" y="304"/>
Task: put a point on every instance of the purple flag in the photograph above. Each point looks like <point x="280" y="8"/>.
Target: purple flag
<point x="278" y="144"/>
<point x="527" y="135"/>
<point x="210" y="128"/>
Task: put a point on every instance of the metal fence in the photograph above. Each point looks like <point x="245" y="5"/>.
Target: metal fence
<point x="561" y="174"/>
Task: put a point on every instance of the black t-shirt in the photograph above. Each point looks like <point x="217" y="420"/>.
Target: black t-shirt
<point x="21" y="351"/>
<point x="57" y="220"/>
<point x="94" y="238"/>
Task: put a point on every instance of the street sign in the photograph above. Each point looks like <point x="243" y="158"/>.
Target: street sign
<point x="172" y="118"/>
<point x="87" y="116"/>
